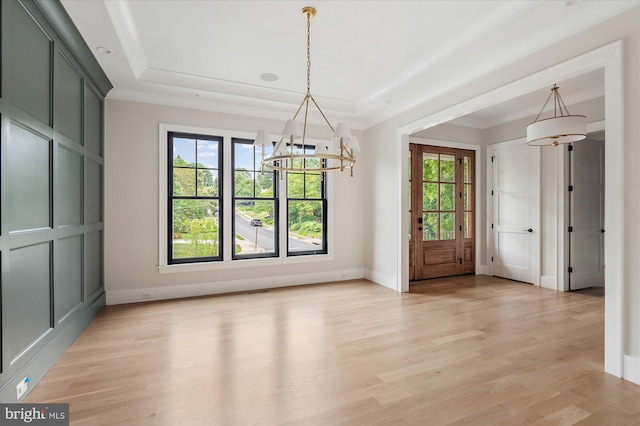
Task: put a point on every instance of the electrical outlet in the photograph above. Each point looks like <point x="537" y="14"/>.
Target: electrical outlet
<point x="147" y="295"/>
<point x="21" y="388"/>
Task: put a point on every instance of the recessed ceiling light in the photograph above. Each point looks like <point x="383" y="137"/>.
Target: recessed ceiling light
<point x="104" y="50"/>
<point x="571" y="2"/>
<point x="268" y="76"/>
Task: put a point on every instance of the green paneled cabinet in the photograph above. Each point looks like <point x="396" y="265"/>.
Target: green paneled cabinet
<point x="51" y="192"/>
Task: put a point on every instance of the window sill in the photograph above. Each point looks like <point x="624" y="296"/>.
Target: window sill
<point x="243" y="263"/>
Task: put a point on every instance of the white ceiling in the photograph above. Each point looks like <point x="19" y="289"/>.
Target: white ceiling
<point x="370" y="59"/>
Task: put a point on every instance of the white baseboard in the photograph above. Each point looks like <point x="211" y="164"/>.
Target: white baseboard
<point x="145" y="294"/>
<point x="631" y="369"/>
<point x="385" y="280"/>
<point x="549" y="281"/>
<point x="482" y="270"/>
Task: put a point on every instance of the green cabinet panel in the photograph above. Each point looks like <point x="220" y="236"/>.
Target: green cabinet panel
<point x="28" y="173"/>
<point x="67" y="288"/>
<point x="93" y="192"/>
<point x="92" y="121"/>
<point x="26" y="312"/>
<point x="93" y="262"/>
<point x="28" y="62"/>
<point x="69" y="198"/>
<point x="68" y="99"/>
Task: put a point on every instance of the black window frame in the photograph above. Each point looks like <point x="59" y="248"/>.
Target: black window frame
<point x="322" y="199"/>
<point x="275" y="199"/>
<point x="171" y="197"/>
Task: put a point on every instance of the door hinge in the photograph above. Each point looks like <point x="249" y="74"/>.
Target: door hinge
<point x="570" y="269"/>
<point x="492" y="226"/>
<point x="461" y="195"/>
<point x="492" y="258"/>
<point x="570" y="147"/>
<point x="571" y="229"/>
<point x="570" y="188"/>
<point x="492" y="157"/>
<point x="460" y="228"/>
<point x="460" y="161"/>
<point x="492" y="192"/>
<point x="460" y="259"/>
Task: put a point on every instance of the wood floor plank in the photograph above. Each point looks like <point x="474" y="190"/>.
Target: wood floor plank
<point x="456" y="351"/>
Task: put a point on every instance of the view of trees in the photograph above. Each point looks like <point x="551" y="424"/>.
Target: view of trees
<point x="438" y="197"/>
<point x="195" y="221"/>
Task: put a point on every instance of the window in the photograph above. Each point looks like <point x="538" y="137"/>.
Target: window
<point x="255" y="203"/>
<point x="306" y="208"/>
<point x="220" y="210"/>
<point x="194" y="198"/>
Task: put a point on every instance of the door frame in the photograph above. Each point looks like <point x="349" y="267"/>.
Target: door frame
<point x="536" y="223"/>
<point x="608" y="57"/>
<point x="477" y="226"/>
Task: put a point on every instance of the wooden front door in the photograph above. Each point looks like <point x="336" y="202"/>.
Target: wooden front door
<point x="442" y="212"/>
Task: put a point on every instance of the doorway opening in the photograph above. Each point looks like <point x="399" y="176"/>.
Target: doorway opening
<point x="586" y="211"/>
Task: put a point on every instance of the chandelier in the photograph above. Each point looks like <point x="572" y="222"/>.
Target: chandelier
<point x="563" y="128"/>
<point x="293" y="155"/>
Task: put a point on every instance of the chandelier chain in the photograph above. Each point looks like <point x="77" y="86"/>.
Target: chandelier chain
<point x="308" y="54"/>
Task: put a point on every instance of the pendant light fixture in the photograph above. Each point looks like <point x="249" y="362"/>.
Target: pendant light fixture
<point x="563" y="128"/>
<point x="292" y="153"/>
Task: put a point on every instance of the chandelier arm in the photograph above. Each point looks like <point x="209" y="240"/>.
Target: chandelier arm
<point x="323" y="116"/>
<point x="562" y="104"/>
<point x="304" y="127"/>
<point x="544" y="106"/>
<point x="300" y="107"/>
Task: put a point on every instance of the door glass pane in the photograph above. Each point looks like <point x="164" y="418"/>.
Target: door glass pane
<point x="409" y="222"/>
<point x="447" y="197"/>
<point x="430" y="167"/>
<point x="466" y="170"/>
<point x="447" y="168"/>
<point x="447" y="226"/>
<point x="467" y="201"/>
<point x="468" y="217"/>
<point x="430" y="226"/>
<point x="430" y="196"/>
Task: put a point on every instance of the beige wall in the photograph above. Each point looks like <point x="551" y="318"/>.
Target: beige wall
<point x="131" y="211"/>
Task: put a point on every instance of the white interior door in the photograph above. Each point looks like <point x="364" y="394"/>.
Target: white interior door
<point x="586" y="237"/>
<point x="515" y="200"/>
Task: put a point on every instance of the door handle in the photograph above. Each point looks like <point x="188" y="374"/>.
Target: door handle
<point x="528" y="230"/>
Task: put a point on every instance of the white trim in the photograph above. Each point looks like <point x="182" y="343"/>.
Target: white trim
<point x="549" y="281"/>
<point x="631" y="369"/>
<point x="381" y="279"/>
<point x="608" y="57"/>
<point x="228" y="262"/>
<point x="117" y="297"/>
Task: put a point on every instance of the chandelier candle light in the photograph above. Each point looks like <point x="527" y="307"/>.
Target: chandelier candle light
<point x="291" y="156"/>
<point x="563" y="128"/>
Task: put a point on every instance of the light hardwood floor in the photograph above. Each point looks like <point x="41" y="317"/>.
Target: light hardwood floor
<point x="459" y="351"/>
